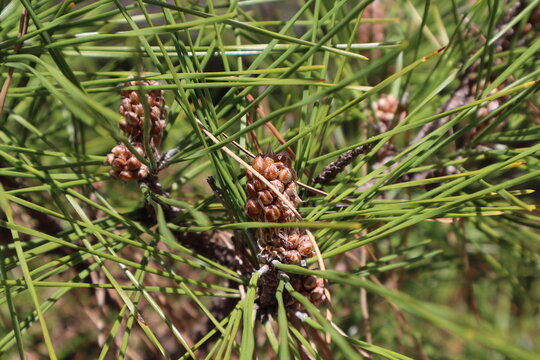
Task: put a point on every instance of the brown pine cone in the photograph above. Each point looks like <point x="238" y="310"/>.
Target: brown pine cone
<point x="263" y="204"/>
<point x="133" y="112"/>
<point x="286" y="245"/>
<point x="124" y="165"/>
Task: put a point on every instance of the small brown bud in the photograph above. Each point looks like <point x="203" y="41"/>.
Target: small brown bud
<point x="482" y="112"/>
<point x="286" y="176"/>
<point x="250" y="190"/>
<point x="131" y="117"/>
<point x="296" y="283"/>
<point x="258" y="164"/>
<point x="118" y="150"/>
<point x="253" y="209"/>
<point x="139" y="110"/>
<point x="272" y="213"/>
<point x="310" y="282"/>
<point x="155" y="113"/>
<point x="267" y="161"/>
<point x="286" y="215"/>
<point x="265" y="197"/>
<point x="291" y="190"/>
<point x="290" y="243"/>
<point x="259" y="185"/>
<point x="126" y="175"/>
<point x="317" y="296"/>
<point x="492" y="106"/>
<point x="284" y="159"/>
<point x="110" y="158"/>
<point x="526" y="29"/>
<point x="293" y="240"/>
<point x="133" y="163"/>
<point x="118" y="164"/>
<point x="278" y="185"/>
<point x="157" y="101"/>
<point x="292" y="257"/>
<point x="142" y="173"/>
<point x="134" y="97"/>
<point x="271" y="172"/>
<point x="305" y="247"/>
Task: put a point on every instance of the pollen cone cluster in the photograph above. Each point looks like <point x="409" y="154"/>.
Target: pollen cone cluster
<point x="287" y="245"/>
<point x="386" y="107"/>
<point x="133" y="112"/>
<point x="125" y="165"/>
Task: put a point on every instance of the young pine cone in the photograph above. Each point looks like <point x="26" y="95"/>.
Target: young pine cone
<point x="133" y="112"/>
<point x="263" y="204"/>
<point x="125" y="166"/>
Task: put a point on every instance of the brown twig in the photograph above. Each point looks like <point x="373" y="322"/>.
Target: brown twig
<point x="253" y="134"/>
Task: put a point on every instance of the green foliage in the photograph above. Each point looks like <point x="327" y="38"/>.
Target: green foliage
<point x="430" y="239"/>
